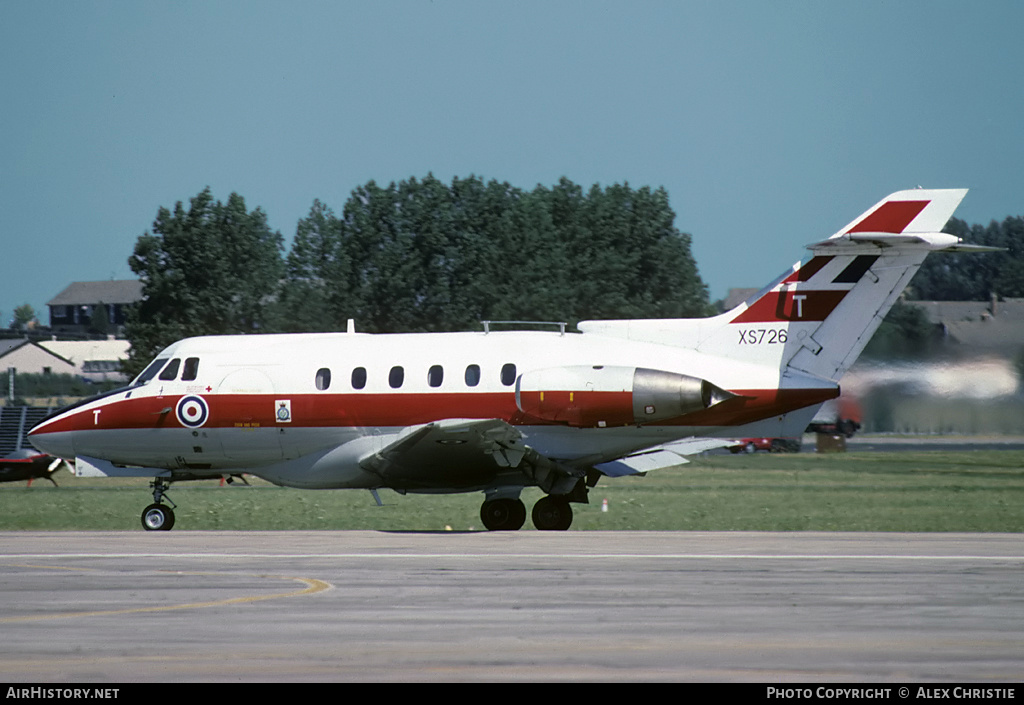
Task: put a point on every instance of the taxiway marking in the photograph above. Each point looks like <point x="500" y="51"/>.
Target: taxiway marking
<point x="312" y="586"/>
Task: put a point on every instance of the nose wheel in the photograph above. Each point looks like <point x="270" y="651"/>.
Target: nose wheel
<point x="158" y="516"/>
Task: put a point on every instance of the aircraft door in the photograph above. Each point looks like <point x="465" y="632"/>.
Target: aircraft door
<point x="249" y="434"/>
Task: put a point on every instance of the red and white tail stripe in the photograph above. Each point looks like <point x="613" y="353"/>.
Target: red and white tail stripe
<point x="823" y="312"/>
<point x="817" y="317"/>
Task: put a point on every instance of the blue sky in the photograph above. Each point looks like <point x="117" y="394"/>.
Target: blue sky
<point x="770" y="124"/>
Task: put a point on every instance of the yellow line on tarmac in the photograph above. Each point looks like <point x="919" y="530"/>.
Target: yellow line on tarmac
<point x="312" y="586"/>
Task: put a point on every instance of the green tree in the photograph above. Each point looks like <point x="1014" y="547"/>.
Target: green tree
<point x="23" y="316"/>
<point x="626" y="257"/>
<point x="970" y="277"/>
<point x="316" y="290"/>
<point x="422" y="255"/>
<point x="906" y="332"/>
<point x="208" y="270"/>
<point x="99" y="323"/>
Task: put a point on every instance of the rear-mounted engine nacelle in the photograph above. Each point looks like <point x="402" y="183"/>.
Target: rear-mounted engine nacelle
<point x="600" y="396"/>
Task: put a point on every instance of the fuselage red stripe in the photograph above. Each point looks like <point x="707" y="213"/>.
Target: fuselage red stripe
<point x="253" y="411"/>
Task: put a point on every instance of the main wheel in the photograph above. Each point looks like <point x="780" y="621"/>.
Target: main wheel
<point x="552" y="514"/>
<point x="503" y="514"/>
<point x="157" y="517"/>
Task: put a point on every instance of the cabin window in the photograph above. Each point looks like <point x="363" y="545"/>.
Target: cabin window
<point x="323" y="379"/>
<point x="171" y="371"/>
<point x="191" y="370"/>
<point x="508" y="374"/>
<point x="359" y="378"/>
<point x="435" y="375"/>
<point x="396" y="377"/>
<point x="472" y="375"/>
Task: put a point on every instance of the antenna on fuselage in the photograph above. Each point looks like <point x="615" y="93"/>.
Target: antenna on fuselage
<point x="351" y="326"/>
<point x="561" y="324"/>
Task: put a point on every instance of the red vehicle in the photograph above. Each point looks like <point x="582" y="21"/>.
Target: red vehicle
<point x="772" y="445"/>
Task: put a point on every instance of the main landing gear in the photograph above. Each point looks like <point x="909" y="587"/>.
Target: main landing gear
<point x="551" y="513"/>
<point x="158" y="516"/>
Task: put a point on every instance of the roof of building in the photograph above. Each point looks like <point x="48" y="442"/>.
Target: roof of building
<point x="6" y="349"/>
<point x="980" y="324"/>
<point x="118" y="291"/>
<point x="8" y="344"/>
<point x="79" y="351"/>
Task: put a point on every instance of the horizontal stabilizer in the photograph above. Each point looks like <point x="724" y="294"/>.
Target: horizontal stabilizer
<point x="933" y="242"/>
<point x="967" y="247"/>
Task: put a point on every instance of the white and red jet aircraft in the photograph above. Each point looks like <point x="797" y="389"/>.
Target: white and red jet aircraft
<point x="499" y="411"/>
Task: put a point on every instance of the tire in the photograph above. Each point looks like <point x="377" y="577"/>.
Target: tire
<point x="552" y="514"/>
<point x="503" y="514"/>
<point x="157" y="517"/>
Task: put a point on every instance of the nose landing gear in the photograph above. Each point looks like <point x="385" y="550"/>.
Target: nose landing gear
<point x="158" y="516"/>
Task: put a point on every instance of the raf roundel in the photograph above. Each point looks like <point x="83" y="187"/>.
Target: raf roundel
<point x="192" y="411"/>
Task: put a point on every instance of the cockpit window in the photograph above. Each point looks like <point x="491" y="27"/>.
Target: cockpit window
<point x="191" y="369"/>
<point x="150" y="372"/>
<point x="171" y="371"/>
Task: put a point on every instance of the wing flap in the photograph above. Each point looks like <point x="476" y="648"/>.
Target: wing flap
<point x="660" y="457"/>
<point x="639" y="463"/>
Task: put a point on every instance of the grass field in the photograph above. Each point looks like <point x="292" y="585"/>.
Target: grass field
<point x="979" y="491"/>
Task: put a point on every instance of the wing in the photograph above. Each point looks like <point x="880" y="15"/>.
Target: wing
<point x="663" y="456"/>
<point x="472" y="453"/>
<point x="453" y="453"/>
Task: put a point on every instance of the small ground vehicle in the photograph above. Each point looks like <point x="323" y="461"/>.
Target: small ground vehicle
<point x="771" y="445"/>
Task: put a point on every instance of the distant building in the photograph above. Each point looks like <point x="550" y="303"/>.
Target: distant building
<point x="73" y="311"/>
<point x="992" y="326"/>
<point x="92" y="360"/>
<point x="28" y="357"/>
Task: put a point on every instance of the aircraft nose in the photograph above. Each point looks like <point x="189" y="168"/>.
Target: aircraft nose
<point x="56" y="433"/>
<point x="59" y="444"/>
<point x="49" y="437"/>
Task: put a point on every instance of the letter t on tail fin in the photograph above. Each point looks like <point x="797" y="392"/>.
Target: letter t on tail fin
<point x="823" y="312"/>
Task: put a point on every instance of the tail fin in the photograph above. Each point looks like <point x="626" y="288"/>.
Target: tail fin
<point x="818" y="317"/>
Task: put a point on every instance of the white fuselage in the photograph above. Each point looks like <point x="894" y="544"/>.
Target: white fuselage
<point x="260" y="403"/>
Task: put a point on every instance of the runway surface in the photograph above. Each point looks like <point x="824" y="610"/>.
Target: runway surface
<point x="529" y="606"/>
